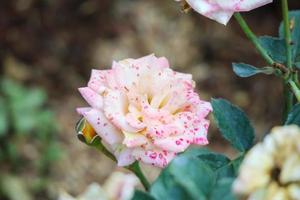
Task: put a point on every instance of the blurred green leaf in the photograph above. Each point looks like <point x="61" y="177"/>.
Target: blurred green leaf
<point x="245" y="70"/>
<point x="295" y="34"/>
<point x="294" y="116"/>
<point x="275" y="47"/>
<point x="51" y="153"/>
<point x="11" y="89"/>
<point x="26" y="105"/>
<point x="233" y="124"/>
<point x="12" y="152"/>
<point x="297" y="64"/>
<point x="29" y="120"/>
<point x="3" y="117"/>
<point x="15" y="188"/>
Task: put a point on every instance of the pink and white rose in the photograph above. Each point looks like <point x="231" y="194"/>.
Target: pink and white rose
<point x="143" y="110"/>
<point x="222" y="10"/>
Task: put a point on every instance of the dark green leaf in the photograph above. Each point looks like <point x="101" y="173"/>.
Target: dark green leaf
<point x="297" y="64"/>
<point x="295" y="34"/>
<point x="166" y="187"/>
<point x="220" y="164"/>
<point x="197" y="174"/>
<point x="3" y="117"/>
<point x="233" y="124"/>
<point x="236" y="163"/>
<point x="139" y="195"/>
<point x="196" y="151"/>
<point x="275" y="47"/>
<point x="222" y="190"/>
<point x="185" y="178"/>
<point x="184" y="168"/>
<point x="245" y="70"/>
<point x="294" y="116"/>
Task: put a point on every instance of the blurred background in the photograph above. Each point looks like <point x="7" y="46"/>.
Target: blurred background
<point x="48" y="48"/>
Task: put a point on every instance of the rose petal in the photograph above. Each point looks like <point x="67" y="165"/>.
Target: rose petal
<point x="115" y="105"/>
<point x="245" y="5"/>
<point x="211" y="10"/>
<point x="103" y="127"/>
<point x="124" y="157"/>
<point x="92" y="98"/>
<point x="174" y="143"/>
<point x="83" y="110"/>
<point x="98" y="80"/>
<point x="134" y="139"/>
<point x="156" y="158"/>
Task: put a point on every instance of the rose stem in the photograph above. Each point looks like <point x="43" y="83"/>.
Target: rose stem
<point x="288" y="95"/>
<point x="136" y="169"/>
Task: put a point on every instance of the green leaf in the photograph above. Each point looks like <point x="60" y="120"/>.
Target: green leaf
<point x="195" y="174"/>
<point x="245" y="70"/>
<point x="236" y="163"/>
<point x="221" y="190"/>
<point x="184" y="170"/>
<point x="166" y="187"/>
<point x="139" y="195"/>
<point x="275" y="47"/>
<point x="185" y="178"/>
<point x="294" y="116"/>
<point x="295" y="34"/>
<point x="219" y="163"/>
<point x="233" y="124"/>
<point x="297" y="64"/>
<point x="3" y="117"/>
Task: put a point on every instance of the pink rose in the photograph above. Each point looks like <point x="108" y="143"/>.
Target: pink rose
<point x="143" y="110"/>
<point x="222" y="10"/>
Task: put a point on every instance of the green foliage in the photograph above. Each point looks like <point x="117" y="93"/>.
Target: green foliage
<point x="295" y="34"/>
<point x="222" y="190"/>
<point x="139" y="195"/>
<point x="3" y="118"/>
<point x="294" y="116"/>
<point x="233" y="124"/>
<point x="195" y="174"/>
<point x="24" y="106"/>
<point x="25" y="118"/>
<point x="245" y="70"/>
<point x="275" y="47"/>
